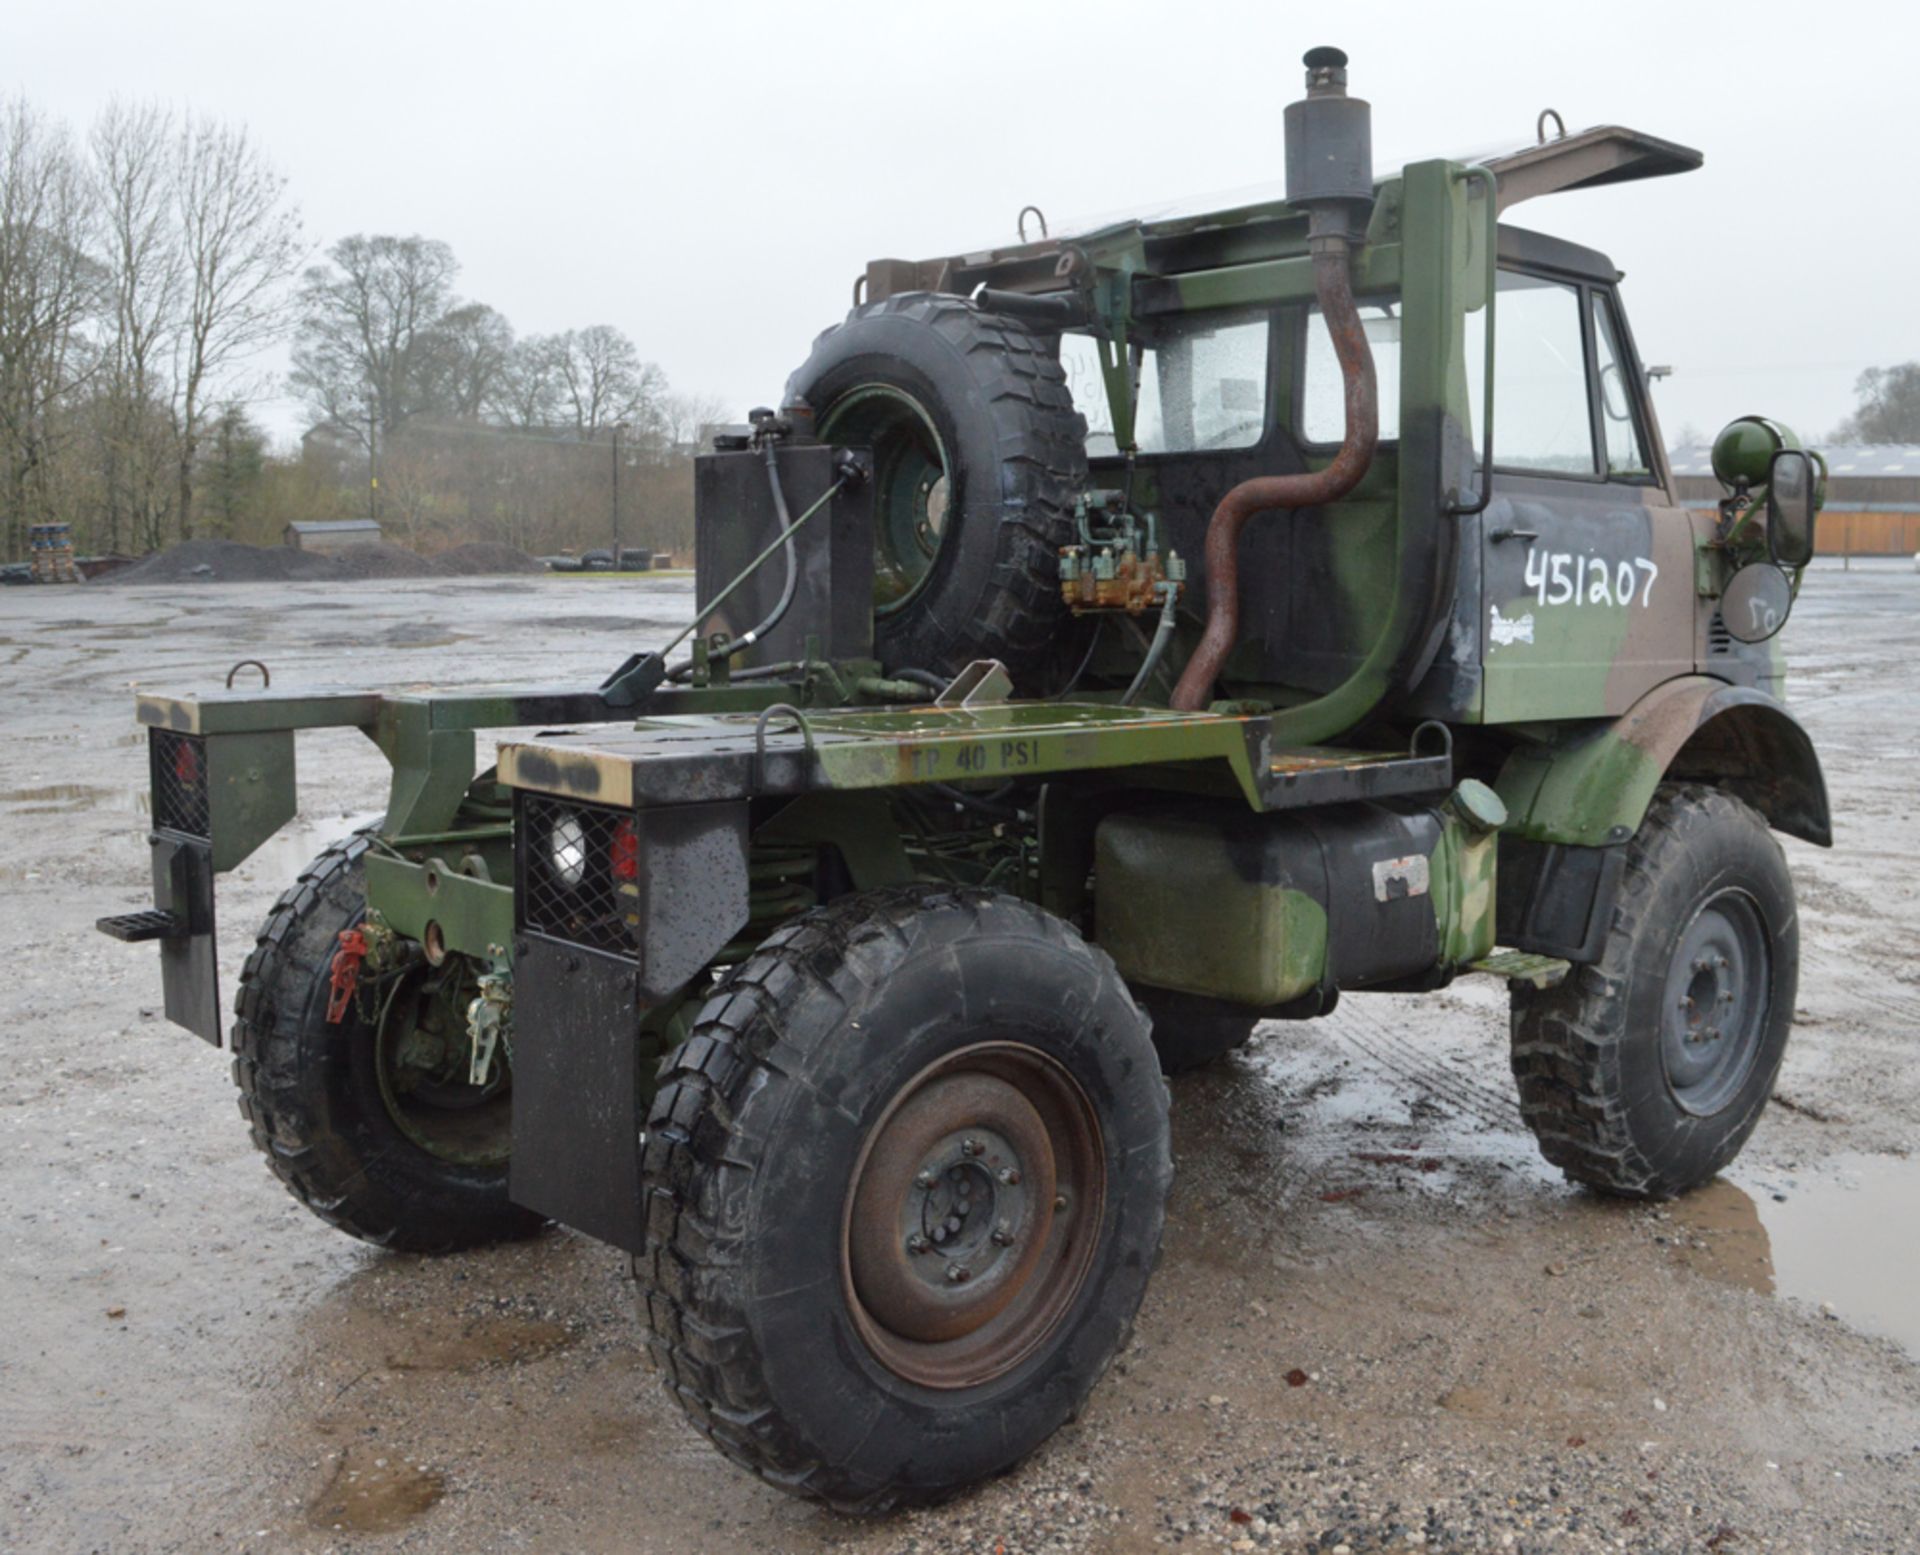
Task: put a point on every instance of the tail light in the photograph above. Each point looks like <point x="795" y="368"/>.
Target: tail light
<point x="623" y="851"/>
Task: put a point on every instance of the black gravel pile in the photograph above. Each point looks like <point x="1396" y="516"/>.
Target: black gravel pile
<point x="229" y="561"/>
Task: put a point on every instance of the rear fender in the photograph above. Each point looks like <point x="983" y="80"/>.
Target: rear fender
<point x="1591" y="788"/>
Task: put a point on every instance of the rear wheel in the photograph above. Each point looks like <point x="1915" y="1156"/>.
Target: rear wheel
<point x="370" y="1121"/>
<point x="1644" y="1073"/>
<point x="905" y="1184"/>
<point x="978" y="457"/>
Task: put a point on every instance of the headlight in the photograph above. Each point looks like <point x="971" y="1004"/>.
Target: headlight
<point x="567" y="850"/>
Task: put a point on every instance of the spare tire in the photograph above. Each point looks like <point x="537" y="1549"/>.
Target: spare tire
<point x="978" y="457"/>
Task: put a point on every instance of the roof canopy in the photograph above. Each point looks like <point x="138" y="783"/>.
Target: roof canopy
<point x="1606" y="154"/>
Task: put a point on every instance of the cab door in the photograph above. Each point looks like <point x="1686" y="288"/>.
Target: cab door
<point x="1587" y="582"/>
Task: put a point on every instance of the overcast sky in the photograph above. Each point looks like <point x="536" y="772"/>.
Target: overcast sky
<point x="710" y="178"/>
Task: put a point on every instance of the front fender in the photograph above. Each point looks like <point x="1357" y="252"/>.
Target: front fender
<point x="1591" y="787"/>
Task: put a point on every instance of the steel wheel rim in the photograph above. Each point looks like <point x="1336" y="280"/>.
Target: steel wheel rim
<point x="912" y="485"/>
<point x="1718" y="995"/>
<point x="988" y="1162"/>
<point x="436" y="1109"/>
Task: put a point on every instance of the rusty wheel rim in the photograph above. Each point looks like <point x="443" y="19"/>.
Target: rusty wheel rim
<point x="973" y="1215"/>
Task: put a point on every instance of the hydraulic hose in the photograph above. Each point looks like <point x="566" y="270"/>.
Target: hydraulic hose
<point x="1156" y="650"/>
<point x="1333" y="285"/>
<point x="636" y="679"/>
<point x="747" y="640"/>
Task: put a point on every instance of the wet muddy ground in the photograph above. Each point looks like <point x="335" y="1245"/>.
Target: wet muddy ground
<point x="1381" y="1323"/>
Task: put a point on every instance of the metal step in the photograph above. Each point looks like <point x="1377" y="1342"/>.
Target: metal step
<point x="134" y="927"/>
<point x="1523" y="966"/>
<point x="1326" y="774"/>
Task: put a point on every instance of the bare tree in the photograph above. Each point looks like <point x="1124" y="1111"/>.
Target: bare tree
<point x="526" y="391"/>
<point x="365" y="352"/>
<point x="144" y="272"/>
<point x="48" y="286"/>
<point x="685" y="420"/>
<point x="199" y="245"/>
<point x="471" y="348"/>
<point x="240" y="244"/>
<point x="604" y="382"/>
<point x="1889" y="407"/>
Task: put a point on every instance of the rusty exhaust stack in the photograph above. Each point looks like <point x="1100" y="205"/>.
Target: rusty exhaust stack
<point x="1330" y="175"/>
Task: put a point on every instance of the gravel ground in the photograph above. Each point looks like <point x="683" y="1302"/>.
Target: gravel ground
<point x="1381" y="1323"/>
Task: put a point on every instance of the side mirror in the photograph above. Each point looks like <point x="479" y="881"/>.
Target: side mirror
<point x="1790" y="507"/>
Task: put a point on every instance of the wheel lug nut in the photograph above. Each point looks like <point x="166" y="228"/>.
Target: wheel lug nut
<point x="970" y="1146"/>
<point x="958" y="1274"/>
<point x="1059" y="1201"/>
<point x="917" y="1244"/>
<point x="926" y="1180"/>
<point x="1002" y="1235"/>
<point x="1010" y="1175"/>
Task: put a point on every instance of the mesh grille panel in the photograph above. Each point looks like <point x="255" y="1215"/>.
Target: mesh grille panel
<point x="180" y="782"/>
<point x="569" y="886"/>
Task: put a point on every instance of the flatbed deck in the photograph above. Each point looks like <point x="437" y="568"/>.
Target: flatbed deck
<point x="682" y="759"/>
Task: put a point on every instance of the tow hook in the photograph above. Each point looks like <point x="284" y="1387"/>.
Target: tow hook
<point x="490" y="1016"/>
<point x="346" y="973"/>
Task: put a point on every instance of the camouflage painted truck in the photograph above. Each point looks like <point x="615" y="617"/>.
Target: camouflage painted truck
<point x="1115" y="640"/>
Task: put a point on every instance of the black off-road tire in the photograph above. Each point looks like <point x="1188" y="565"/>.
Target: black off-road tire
<point x="1596" y="1084"/>
<point x="759" y="1128"/>
<point x="1190" y="1032"/>
<point x="311" y="1097"/>
<point x="1017" y="451"/>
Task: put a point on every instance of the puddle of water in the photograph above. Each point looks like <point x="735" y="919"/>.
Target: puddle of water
<point x="1733" y="1246"/>
<point x="1837" y="1239"/>
<point x="445" y="1343"/>
<point x="374" y="1490"/>
<point x="1832" y="1238"/>
<point x="68" y="798"/>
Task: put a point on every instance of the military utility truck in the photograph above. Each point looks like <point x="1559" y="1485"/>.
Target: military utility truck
<point x="1113" y="641"/>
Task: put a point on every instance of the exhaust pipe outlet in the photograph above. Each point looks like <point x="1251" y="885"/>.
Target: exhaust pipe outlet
<point x="1330" y="148"/>
<point x="1330" y="174"/>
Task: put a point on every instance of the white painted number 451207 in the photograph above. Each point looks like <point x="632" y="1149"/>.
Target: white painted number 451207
<point x="1562" y="578"/>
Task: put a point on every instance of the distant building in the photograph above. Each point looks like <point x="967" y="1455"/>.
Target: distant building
<point x="329" y="536"/>
<point x="1873" y="495"/>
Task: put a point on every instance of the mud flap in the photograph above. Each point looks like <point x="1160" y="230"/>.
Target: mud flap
<point x="578" y="1011"/>
<point x="576" y="1089"/>
<point x="189" y="965"/>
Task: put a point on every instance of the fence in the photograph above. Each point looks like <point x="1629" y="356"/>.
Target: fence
<point x="1866" y="529"/>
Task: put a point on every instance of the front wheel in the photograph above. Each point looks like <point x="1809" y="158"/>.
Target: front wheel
<point x="1644" y="1073"/>
<point x="905" y="1184"/>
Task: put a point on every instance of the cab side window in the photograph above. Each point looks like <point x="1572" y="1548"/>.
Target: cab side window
<point x="1620" y="431"/>
<point x="1203" y="387"/>
<point x="1323" y="393"/>
<point x="1541" y="415"/>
